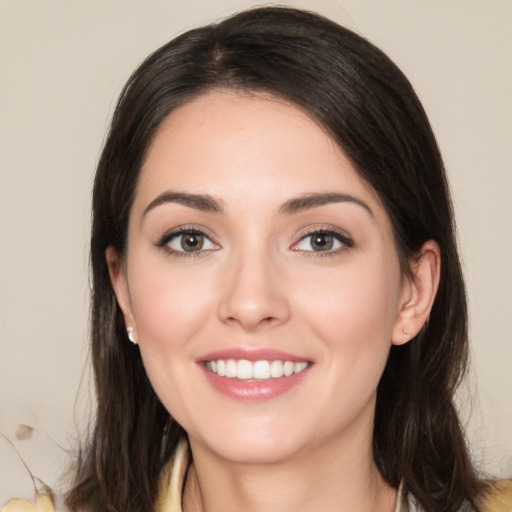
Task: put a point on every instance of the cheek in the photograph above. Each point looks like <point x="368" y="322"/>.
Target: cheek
<point x="171" y="310"/>
<point x="353" y="318"/>
<point x="168" y="305"/>
<point x="360" y="298"/>
<point x="352" y="310"/>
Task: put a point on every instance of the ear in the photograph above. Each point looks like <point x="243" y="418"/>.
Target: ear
<point x="120" y="286"/>
<point x="418" y="293"/>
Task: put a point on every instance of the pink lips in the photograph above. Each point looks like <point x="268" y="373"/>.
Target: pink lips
<point x="252" y="390"/>
<point x="251" y="355"/>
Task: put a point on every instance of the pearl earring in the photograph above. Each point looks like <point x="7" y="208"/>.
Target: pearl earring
<point x="131" y="337"/>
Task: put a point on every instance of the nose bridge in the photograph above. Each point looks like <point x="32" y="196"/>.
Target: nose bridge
<point x="253" y="294"/>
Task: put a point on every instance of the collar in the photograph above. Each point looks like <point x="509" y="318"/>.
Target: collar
<point x="173" y="480"/>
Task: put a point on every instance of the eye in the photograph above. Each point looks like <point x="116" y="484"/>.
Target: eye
<point x="187" y="240"/>
<point x="323" y="241"/>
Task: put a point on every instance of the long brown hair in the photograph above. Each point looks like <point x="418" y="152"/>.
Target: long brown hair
<point x="370" y="109"/>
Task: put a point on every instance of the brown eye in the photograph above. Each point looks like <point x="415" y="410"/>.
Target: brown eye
<point x="184" y="241"/>
<point x="192" y="242"/>
<point x="322" y="242"/>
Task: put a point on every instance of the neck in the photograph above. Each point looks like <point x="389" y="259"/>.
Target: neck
<point x="326" y="478"/>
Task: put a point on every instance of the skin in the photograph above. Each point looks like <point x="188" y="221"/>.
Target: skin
<point x="259" y="283"/>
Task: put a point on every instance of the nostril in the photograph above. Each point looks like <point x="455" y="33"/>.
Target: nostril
<point x="252" y="322"/>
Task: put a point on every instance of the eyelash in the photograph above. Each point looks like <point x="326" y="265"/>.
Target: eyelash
<point x="163" y="242"/>
<point x="345" y="241"/>
<point x="341" y="237"/>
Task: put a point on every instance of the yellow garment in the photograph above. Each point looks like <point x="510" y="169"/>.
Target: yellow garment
<point x="497" y="499"/>
<point x="43" y="503"/>
<point x="173" y="478"/>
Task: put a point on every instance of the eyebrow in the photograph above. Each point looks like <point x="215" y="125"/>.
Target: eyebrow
<point x="207" y="203"/>
<point x="308" y="201"/>
<point x="201" y="202"/>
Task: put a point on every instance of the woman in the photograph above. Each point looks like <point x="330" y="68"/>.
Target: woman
<point x="273" y="232"/>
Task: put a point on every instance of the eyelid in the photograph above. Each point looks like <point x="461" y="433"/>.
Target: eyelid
<point x="164" y="240"/>
<point x="341" y="236"/>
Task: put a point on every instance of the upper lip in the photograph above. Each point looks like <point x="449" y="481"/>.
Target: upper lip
<point x="252" y="354"/>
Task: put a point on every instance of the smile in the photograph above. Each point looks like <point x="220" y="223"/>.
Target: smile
<point x="243" y="369"/>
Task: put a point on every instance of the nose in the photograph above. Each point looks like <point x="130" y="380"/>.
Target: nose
<point x="253" y="296"/>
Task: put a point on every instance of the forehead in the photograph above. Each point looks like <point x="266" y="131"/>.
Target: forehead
<point x="252" y="146"/>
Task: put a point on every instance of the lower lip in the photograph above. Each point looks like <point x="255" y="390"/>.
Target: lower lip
<point x="251" y="391"/>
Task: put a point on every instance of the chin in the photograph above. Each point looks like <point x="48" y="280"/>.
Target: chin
<point x="253" y="446"/>
<point x="257" y="452"/>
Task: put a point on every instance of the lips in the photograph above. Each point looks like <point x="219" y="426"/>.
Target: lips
<point x="253" y="374"/>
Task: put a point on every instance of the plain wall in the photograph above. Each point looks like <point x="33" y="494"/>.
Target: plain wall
<point x="62" y="65"/>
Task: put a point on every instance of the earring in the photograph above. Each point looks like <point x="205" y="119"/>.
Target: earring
<point x="406" y="331"/>
<point x="131" y="337"/>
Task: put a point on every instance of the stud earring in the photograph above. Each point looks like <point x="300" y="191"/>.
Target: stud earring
<point x="406" y="331"/>
<point x="131" y="337"/>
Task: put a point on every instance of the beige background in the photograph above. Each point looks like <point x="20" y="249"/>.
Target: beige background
<point x="62" y="64"/>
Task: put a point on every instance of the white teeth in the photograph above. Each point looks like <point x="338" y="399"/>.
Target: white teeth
<point x="276" y="369"/>
<point x="299" y="367"/>
<point x="244" y="369"/>
<point x="288" y="368"/>
<point x="230" y="369"/>
<point x="221" y="368"/>
<point x="258" y="370"/>
<point x="261" y="370"/>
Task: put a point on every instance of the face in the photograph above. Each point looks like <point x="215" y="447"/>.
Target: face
<point x="261" y="279"/>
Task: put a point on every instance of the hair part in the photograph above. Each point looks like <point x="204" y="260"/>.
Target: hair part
<point x="369" y="108"/>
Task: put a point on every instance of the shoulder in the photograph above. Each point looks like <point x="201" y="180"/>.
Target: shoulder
<point x="497" y="497"/>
